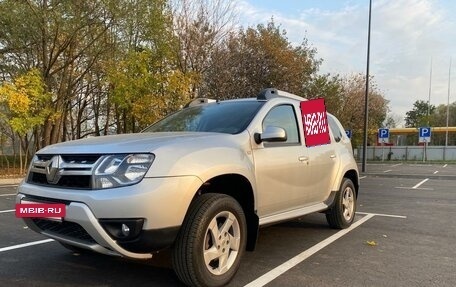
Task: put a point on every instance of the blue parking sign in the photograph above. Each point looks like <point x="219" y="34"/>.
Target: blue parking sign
<point x="383" y="135"/>
<point x="348" y="133"/>
<point x="424" y="134"/>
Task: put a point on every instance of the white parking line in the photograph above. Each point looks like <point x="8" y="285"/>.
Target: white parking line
<point x="9" y="194"/>
<point x="25" y="245"/>
<point x="436" y="171"/>
<point x="381" y="214"/>
<point x="5" y="211"/>
<point x="363" y="177"/>
<point x="284" y="267"/>
<point x="387" y="170"/>
<point x="445" y="165"/>
<point x="420" y="183"/>
<point x="397" y="164"/>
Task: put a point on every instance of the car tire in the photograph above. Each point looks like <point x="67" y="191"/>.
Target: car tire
<point x="342" y="212"/>
<point x="211" y="241"/>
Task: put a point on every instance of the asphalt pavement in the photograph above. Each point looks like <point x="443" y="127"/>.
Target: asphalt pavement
<point x="404" y="235"/>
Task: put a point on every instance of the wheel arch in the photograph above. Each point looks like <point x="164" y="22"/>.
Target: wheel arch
<point x="240" y="188"/>
<point x="354" y="177"/>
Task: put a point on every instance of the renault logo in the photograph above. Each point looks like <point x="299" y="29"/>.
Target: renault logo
<point x="52" y="170"/>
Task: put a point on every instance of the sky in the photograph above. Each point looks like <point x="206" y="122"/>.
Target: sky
<point x="406" y="37"/>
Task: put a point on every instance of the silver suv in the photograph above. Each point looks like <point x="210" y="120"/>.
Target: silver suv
<point x="202" y="181"/>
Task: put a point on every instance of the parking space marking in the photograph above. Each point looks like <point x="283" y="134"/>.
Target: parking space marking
<point x="9" y="194"/>
<point x="387" y="170"/>
<point x="397" y="164"/>
<point x="363" y="177"/>
<point x="25" y="245"/>
<point x="420" y="183"/>
<point x="382" y="214"/>
<point x="445" y="165"/>
<point x="5" y="211"/>
<point x="436" y="171"/>
<point x="284" y="267"/>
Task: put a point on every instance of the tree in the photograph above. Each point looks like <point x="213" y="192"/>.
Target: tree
<point x="439" y="119"/>
<point x="351" y="108"/>
<point x="420" y="115"/>
<point x="26" y="101"/>
<point x="200" y="27"/>
<point x="257" y="58"/>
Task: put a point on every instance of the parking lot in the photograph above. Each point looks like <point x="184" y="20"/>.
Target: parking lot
<point x="404" y="235"/>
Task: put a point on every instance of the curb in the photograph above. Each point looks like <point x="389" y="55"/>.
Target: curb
<point x="430" y="176"/>
<point x="10" y="181"/>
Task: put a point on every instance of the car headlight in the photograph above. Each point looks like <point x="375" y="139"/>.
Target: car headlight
<point x="121" y="169"/>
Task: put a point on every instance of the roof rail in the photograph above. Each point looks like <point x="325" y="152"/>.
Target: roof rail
<point x="199" y="101"/>
<point x="271" y="93"/>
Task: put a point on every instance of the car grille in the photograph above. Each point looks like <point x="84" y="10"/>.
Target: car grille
<point x="65" y="228"/>
<point x="64" y="171"/>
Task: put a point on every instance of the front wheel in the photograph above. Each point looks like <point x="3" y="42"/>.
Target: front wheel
<point x="211" y="241"/>
<point x="342" y="213"/>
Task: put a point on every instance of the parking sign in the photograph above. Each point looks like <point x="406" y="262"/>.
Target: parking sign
<point x="383" y="135"/>
<point x="424" y="134"/>
<point x="348" y="133"/>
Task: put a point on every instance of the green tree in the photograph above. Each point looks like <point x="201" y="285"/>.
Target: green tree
<point x="420" y="115"/>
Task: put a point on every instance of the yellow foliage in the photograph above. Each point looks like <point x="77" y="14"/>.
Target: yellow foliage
<point x="26" y="101"/>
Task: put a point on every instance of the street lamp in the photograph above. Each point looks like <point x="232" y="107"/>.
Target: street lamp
<point x="366" y="96"/>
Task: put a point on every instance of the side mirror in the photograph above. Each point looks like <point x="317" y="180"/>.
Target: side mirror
<point x="271" y="134"/>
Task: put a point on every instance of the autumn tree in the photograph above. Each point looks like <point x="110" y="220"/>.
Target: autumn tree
<point x="258" y="58"/>
<point x="200" y="27"/>
<point x="25" y="106"/>
<point x="351" y="108"/>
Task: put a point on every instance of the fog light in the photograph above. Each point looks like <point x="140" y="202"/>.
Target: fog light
<point x="125" y="230"/>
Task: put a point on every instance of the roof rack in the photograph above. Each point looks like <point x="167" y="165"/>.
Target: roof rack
<point x="199" y="101"/>
<point x="271" y="93"/>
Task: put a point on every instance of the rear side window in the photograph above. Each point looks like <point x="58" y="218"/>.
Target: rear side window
<point x="335" y="129"/>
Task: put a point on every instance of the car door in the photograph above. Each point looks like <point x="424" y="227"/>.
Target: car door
<point x="281" y="168"/>
<point x="324" y="163"/>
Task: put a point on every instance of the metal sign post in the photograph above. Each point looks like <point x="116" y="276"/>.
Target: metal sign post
<point x="424" y="137"/>
<point x="383" y="137"/>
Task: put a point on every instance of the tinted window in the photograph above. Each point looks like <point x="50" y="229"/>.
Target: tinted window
<point x="283" y="117"/>
<point x="223" y="117"/>
<point x="335" y="130"/>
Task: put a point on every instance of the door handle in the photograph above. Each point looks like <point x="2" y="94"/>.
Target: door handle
<point x="332" y="156"/>
<point x="303" y="158"/>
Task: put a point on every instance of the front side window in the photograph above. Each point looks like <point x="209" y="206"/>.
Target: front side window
<point x="283" y="117"/>
<point x="224" y="117"/>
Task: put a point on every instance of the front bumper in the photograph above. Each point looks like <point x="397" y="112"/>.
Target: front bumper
<point x="160" y="202"/>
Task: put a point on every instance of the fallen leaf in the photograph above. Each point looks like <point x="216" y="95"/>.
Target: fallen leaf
<point x="371" y="243"/>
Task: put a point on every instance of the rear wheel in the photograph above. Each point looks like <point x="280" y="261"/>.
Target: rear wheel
<point x="342" y="213"/>
<point x="211" y="241"/>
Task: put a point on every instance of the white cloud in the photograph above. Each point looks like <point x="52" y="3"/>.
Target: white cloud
<point x="406" y="34"/>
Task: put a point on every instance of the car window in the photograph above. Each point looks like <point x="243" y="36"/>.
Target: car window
<point x="284" y="117"/>
<point x="335" y="130"/>
<point x="225" y="117"/>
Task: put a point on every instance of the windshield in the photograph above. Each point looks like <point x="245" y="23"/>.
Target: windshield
<point x="223" y="117"/>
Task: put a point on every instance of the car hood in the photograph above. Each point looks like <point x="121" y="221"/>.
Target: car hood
<point x="127" y="143"/>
